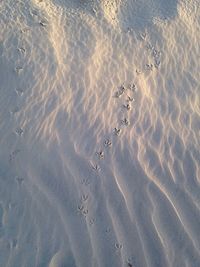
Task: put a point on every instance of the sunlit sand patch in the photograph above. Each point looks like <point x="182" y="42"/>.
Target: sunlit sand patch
<point x="111" y="9"/>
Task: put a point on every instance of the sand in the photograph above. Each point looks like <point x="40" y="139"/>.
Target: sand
<point x="99" y="133"/>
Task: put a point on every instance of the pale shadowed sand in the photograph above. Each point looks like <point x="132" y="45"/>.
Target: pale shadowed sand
<point x="99" y="133"/>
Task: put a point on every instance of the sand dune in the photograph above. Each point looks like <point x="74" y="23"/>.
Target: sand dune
<point x="100" y="133"/>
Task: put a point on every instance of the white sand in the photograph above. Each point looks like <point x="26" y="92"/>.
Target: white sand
<point x="67" y="70"/>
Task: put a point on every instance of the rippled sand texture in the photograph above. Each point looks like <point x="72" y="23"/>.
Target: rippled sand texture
<point x="99" y="133"/>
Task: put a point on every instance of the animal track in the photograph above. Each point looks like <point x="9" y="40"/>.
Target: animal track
<point x="132" y="87"/>
<point x="107" y="143"/>
<point x="21" y="50"/>
<point x="108" y="230"/>
<point x="117" y="131"/>
<point x="127" y="106"/>
<point x="125" y="122"/>
<point x="19" y="180"/>
<point x="96" y="168"/>
<point x="138" y="71"/>
<point x="118" y="246"/>
<point x="155" y="54"/>
<point x="15" y="110"/>
<point x="157" y="63"/>
<point x="91" y="222"/>
<point x="14" y="243"/>
<point x="143" y="36"/>
<point x="18" y="69"/>
<point x="13" y="154"/>
<point x="120" y="92"/>
<point x="149" y="66"/>
<point x="100" y="154"/>
<point x="19" y="131"/>
<point x="43" y="23"/>
<point x="86" y="181"/>
<point x="19" y="91"/>
<point x="84" y="198"/>
<point x="82" y="210"/>
<point x="130" y="99"/>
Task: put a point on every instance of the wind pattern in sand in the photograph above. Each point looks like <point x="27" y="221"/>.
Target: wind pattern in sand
<point x="99" y="133"/>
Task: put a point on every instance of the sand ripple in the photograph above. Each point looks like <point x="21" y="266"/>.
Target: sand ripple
<point x="100" y="133"/>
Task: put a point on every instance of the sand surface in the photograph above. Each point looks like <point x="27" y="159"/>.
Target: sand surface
<point x="99" y="133"/>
